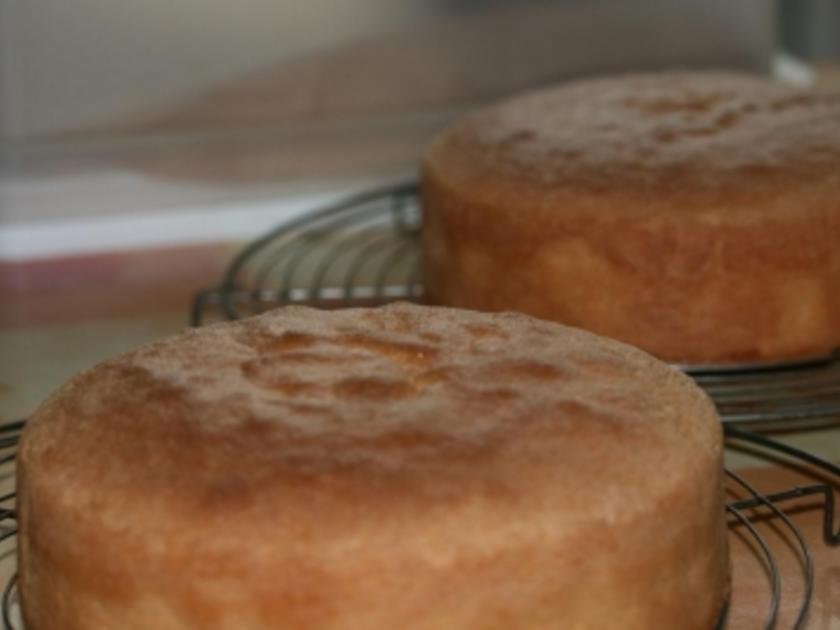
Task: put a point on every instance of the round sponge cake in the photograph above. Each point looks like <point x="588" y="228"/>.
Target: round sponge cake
<point x="695" y="215"/>
<point x="403" y="467"/>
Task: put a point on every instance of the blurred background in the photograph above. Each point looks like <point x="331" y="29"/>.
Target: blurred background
<point x="141" y="142"/>
<point x="245" y="112"/>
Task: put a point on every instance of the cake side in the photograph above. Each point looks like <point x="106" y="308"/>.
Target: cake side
<point x="601" y="204"/>
<point x="693" y="289"/>
<point x="481" y="471"/>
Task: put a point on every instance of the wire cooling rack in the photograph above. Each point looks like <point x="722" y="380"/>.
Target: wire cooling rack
<point x="366" y="251"/>
<point x="747" y="511"/>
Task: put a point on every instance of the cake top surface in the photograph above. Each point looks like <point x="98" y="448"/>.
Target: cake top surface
<point x="699" y="132"/>
<point x="389" y="408"/>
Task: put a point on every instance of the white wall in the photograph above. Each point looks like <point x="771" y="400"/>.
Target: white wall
<point x="69" y="64"/>
<point x="7" y="121"/>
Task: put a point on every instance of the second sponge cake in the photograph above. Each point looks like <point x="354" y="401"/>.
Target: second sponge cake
<point x="695" y="215"/>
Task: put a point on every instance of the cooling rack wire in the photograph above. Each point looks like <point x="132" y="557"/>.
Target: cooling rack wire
<point x="366" y="251"/>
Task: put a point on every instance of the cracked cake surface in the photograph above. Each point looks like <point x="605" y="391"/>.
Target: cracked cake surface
<point x="407" y="465"/>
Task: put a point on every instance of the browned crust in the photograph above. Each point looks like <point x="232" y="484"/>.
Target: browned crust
<point x="404" y="466"/>
<point x="705" y="247"/>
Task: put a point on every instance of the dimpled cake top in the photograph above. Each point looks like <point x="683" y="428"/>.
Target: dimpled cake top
<point x="695" y="132"/>
<point x="361" y="404"/>
<point x="405" y="466"/>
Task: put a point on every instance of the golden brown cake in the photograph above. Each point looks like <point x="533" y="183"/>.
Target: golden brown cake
<point x="404" y="467"/>
<point x="695" y="215"/>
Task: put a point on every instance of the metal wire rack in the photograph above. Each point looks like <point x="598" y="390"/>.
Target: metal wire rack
<point x="366" y="251"/>
<point x="362" y="251"/>
<point x="747" y="512"/>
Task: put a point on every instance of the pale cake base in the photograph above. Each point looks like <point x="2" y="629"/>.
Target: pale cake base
<point x="403" y="467"/>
